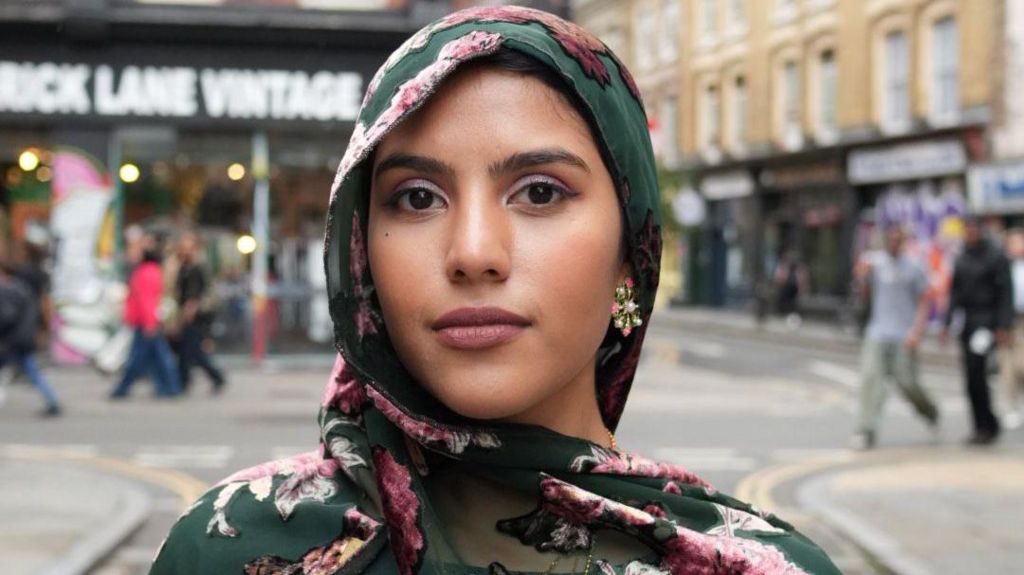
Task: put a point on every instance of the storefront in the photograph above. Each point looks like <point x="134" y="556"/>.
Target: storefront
<point x="997" y="189"/>
<point x="172" y="124"/>
<point x="919" y="185"/>
<point x="728" y="251"/>
<point x="806" y="209"/>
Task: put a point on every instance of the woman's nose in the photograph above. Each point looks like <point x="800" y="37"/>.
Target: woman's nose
<point x="479" y="242"/>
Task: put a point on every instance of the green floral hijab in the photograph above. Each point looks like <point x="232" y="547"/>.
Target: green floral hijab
<point x="359" y="503"/>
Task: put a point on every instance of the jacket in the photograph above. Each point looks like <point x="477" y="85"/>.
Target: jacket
<point x="145" y="288"/>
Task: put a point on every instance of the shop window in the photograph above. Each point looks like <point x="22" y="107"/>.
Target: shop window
<point x="896" y="102"/>
<point x="945" y="70"/>
<point x="710" y="118"/>
<point x="708" y="19"/>
<point x="791" y="133"/>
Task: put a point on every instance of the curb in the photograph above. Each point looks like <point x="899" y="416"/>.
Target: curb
<point x="86" y="553"/>
<point x="810" y="494"/>
<point x="826" y="338"/>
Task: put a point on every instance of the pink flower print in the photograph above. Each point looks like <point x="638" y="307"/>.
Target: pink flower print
<point x="606" y="461"/>
<point x="309" y="483"/>
<point x="401" y="508"/>
<point x="455" y="442"/>
<point x="219" y="520"/>
<point x="692" y="553"/>
<point x="277" y="467"/>
<point x="360" y="525"/>
<point x="343" y="391"/>
<point x="672" y="487"/>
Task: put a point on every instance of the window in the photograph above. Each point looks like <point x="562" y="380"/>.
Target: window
<point x="646" y="34"/>
<point x="896" y="95"/>
<point x="709" y="17"/>
<point x="670" y="131"/>
<point x="738" y="13"/>
<point x="711" y="117"/>
<point x="945" y="69"/>
<point x="739" y="113"/>
<point x="827" y="95"/>
<point x="669" y="30"/>
<point x="790" y="103"/>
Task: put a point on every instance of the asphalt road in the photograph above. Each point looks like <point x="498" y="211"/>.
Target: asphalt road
<point x="735" y="410"/>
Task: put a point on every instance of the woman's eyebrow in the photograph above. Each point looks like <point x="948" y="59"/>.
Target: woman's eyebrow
<point x="413" y="162"/>
<point x="522" y="160"/>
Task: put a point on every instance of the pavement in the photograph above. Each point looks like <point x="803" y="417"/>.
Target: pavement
<point x="907" y="508"/>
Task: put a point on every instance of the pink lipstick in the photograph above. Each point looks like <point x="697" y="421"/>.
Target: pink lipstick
<point x="478" y="327"/>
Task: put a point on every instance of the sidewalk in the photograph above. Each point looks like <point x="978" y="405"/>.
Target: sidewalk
<point x="813" y="334"/>
<point x="60" y="518"/>
<point x="949" y="511"/>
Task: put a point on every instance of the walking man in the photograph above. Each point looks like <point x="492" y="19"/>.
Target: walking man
<point x="18" y="321"/>
<point x="898" y="289"/>
<point x="191" y="289"/>
<point x="149" y="352"/>
<point x="983" y="290"/>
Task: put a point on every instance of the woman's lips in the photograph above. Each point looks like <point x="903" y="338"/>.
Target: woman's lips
<point x="478" y="328"/>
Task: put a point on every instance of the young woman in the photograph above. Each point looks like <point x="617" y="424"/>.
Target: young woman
<point x="492" y="254"/>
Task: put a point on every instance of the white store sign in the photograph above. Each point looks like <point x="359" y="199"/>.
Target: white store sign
<point x="907" y="162"/>
<point x="728" y="185"/>
<point x="180" y="92"/>
<point x="996" y="188"/>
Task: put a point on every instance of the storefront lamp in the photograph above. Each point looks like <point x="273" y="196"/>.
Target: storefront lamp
<point x="246" y="244"/>
<point x="28" y="160"/>
<point x="44" y="174"/>
<point x="129" y="173"/>
<point x="236" y="171"/>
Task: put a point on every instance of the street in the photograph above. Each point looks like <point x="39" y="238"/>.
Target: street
<point x="753" y="415"/>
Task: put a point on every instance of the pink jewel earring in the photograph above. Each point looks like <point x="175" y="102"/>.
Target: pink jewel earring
<point x="625" y="311"/>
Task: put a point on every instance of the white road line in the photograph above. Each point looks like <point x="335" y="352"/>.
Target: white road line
<point x="708" y="349"/>
<point x="802" y="454"/>
<point x="184" y="456"/>
<point x="706" y="459"/>
<point x="68" y="450"/>
<point x="288" y="451"/>
<point x="844" y="376"/>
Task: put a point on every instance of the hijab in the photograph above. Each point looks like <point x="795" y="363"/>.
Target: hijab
<point x="360" y="503"/>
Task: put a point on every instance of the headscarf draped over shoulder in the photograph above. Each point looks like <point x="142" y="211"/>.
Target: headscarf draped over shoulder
<point x="358" y="504"/>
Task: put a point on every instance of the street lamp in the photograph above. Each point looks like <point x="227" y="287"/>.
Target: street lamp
<point x="246" y="244"/>
<point x="28" y="160"/>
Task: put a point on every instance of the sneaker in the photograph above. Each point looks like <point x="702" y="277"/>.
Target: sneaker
<point x="50" y="411"/>
<point x="862" y="441"/>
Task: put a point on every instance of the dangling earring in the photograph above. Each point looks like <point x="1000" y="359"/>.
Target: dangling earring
<point x="625" y="311"/>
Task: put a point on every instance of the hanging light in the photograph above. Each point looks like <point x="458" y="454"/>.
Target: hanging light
<point x="236" y="171"/>
<point x="246" y="244"/>
<point x="129" y="173"/>
<point x="28" y="160"/>
<point x="44" y="174"/>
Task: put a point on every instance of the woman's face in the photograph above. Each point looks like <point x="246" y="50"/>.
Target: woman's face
<point x="494" y="244"/>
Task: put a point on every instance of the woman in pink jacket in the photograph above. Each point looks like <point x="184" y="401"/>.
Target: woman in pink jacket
<point x="149" y="352"/>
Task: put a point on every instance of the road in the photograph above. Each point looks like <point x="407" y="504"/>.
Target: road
<point x="747" y="413"/>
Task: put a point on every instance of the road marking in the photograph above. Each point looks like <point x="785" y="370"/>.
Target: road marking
<point x="803" y="454"/>
<point x="189" y="456"/>
<point x="286" y="451"/>
<point x="849" y="378"/>
<point x="708" y="349"/>
<point x="68" y="450"/>
<point x="706" y="459"/>
<point x="187" y="488"/>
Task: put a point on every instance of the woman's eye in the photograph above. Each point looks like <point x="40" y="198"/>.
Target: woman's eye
<point x="419" y="199"/>
<point x="538" y="194"/>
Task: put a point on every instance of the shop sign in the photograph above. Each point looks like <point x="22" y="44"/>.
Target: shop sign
<point x="907" y="162"/>
<point x="52" y="88"/>
<point x="803" y="176"/>
<point x="996" y="188"/>
<point x="727" y="185"/>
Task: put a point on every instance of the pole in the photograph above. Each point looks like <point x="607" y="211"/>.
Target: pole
<point x="261" y="232"/>
<point x="114" y="167"/>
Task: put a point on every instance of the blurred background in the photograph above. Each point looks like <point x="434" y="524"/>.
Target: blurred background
<point x="789" y="134"/>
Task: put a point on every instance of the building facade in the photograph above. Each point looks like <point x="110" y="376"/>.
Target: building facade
<point x="805" y="125"/>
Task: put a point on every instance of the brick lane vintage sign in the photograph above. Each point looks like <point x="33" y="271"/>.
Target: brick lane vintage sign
<point x="52" y="88"/>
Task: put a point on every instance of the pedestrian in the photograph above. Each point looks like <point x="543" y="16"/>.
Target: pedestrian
<point x="791" y="281"/>
<point x="982" y="290"/>
<point x="1011" y="356"/>
<point x="192" y="292"/>
<point x="149" y="353"/>
<point x="492" y="254"/>
<point x="18" y="321"/>
<point x="898" y="290"/>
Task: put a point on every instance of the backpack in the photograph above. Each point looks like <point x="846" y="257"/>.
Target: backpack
<point x="13" y="302"/>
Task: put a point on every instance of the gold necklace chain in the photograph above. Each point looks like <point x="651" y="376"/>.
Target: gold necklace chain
<point x="586" y="568"/>
<point x="611" y="439"/>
